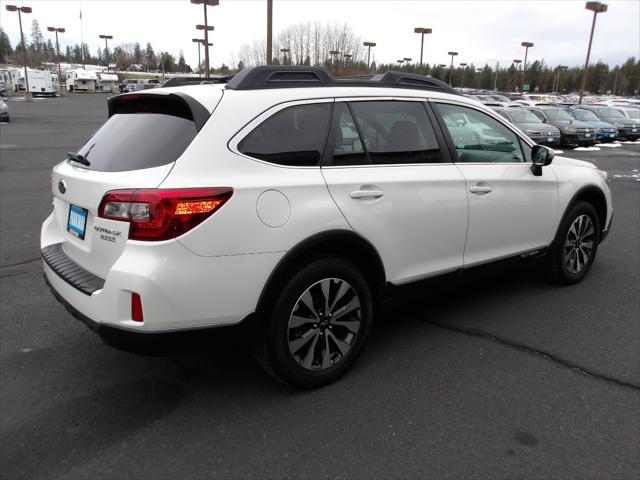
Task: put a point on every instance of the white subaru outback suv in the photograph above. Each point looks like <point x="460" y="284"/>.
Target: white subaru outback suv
<point x="296" y="200"/>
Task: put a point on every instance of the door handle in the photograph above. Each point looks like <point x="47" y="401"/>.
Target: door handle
<point x="359" y="194"/>
<point x="480" y="189"/>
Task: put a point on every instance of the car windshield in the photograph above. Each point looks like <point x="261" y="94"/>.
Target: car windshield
<point x="557" y="114"/>
<point x="633" y="113"/>
<point x="586" y="116"/>
<point x="524" y="116"/>
<point x="609" y="112"/>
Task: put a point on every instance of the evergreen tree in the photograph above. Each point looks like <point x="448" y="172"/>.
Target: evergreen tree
<point x="5" y="47"/>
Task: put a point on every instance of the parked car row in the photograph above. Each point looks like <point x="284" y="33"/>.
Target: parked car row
<point x="565" y="123"/>
<point x="135" y="85"/>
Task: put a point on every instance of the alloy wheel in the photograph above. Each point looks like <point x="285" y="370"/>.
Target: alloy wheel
<point x="324" y="324"/>
<point x="578" y="245"/>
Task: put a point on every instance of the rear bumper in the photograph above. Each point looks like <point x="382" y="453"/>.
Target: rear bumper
<point x="179" y="290"/>
<point x="166" y="343"/>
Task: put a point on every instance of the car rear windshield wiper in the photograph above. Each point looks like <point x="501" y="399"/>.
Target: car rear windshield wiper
<point x="76" y="157"/>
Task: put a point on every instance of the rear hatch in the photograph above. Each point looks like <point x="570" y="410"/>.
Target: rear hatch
<point x="136" y="148"/>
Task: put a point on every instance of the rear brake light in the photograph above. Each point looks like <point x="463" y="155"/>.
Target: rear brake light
<point x="161" y="214"/>
<point x="136" y="308"/>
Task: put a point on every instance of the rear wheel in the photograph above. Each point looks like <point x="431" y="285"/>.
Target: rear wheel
<point x="317" y="325"/>
<point x="576" y="245"/>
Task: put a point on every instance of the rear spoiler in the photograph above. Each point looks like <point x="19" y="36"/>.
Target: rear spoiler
<point x="180" y="104"/>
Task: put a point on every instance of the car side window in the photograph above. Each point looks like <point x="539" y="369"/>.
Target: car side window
<point x="294" y="136"/>
<point x="479" y="138"/>
<point x="348" y="149"/>
<point x="397" y="132"/>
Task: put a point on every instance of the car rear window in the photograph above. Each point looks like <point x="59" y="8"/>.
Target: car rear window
<point x="143" y="133"/>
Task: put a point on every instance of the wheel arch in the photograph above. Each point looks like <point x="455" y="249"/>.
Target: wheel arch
<point x="343" y="243"/>
<point x="592" y="195"/>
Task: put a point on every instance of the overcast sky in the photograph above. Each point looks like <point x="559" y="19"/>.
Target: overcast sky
<point x="480" y="31"/>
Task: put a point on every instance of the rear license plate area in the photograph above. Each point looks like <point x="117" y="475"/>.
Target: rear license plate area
<point x="77" y="222"/>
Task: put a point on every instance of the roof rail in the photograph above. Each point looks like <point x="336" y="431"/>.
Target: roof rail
<point x="278" y="76"/>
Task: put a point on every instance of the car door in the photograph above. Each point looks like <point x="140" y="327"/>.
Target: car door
<point x="511" y="210"/>
<point x="391" y="175"/>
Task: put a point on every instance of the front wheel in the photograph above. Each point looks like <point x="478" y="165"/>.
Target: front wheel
<point x="318" y="324"/>
<point x="576" y="245"/>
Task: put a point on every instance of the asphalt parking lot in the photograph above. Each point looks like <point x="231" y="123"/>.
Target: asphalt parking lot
<point x="494" y="375"/>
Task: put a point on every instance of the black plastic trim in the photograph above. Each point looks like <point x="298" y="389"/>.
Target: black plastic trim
<point x="198" y="111"/>
<point x="277" y="76"/>
<point x="69" y="271"/>
<point x="243" y="335"/>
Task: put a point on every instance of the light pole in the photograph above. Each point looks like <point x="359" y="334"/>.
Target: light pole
<point x="199" y="41"/>
<point x="596" y="8"/>
<point x="453" y="54"/>
<point x="207" y="29"/>
<point x="269" y="31"/>
<point x="422" y="32"/>
<point x="407" y="60"/>
<point x="526" y="46"/>
<point x="106" y="47"/>
<point x="400" y="61"/>
<point x="285" y="51"/>
<point x="58" y="30"/>
<point x="517" y="62"/>
<point x="369" y="45"/>
<point x="347" y="58"/>
<point x="334" y="54"/>
<point x="12" y="8"/>
<point x="463" y="65"/>
<point x="560" y="69"/>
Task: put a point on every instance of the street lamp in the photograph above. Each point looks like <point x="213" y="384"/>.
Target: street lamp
<point x="463" y="65"/>
<point x="596" y="8"/>
<point x="199" y="41"/>
<point x="526" y="46"/>
<point x="400" y="61"/>
<point x="407" y="60"/>
<point x="58" y="30"/>
<point x="334" y="53"/>
<point x="369" y="45"/>
<point x="422" y="32"/>
<point x="285" y="51"/>
<point x="206" y="28"/>
<point x="106" y="47"/>
<point x="12" y="8"/>
<point x="453" y="54"/>
<point x="560" y="68"/>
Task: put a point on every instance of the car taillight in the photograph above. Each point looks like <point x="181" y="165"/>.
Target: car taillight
<point x="161" y="214"/>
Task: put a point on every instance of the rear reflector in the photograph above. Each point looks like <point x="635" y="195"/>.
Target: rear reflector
<point x="161" y="214"/>
<point x="136" y="308"/>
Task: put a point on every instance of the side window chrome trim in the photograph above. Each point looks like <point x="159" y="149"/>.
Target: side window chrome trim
<point x="232" y="145"/>
<point x="496" y="116"/>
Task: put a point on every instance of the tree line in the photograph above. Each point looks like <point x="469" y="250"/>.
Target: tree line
<point x="39" y="51"/>
<point x="336" y="47"/>
<point x="313" y="43"/>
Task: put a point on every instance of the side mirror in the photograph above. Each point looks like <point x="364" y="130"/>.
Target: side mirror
<point x="541" y="156"/>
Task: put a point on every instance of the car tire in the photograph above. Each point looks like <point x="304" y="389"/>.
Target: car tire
<point x="311" y="347"/>
<point x="575" y="246"/>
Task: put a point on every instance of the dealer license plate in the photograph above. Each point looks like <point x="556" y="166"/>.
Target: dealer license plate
<point x="77" y="222"/>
